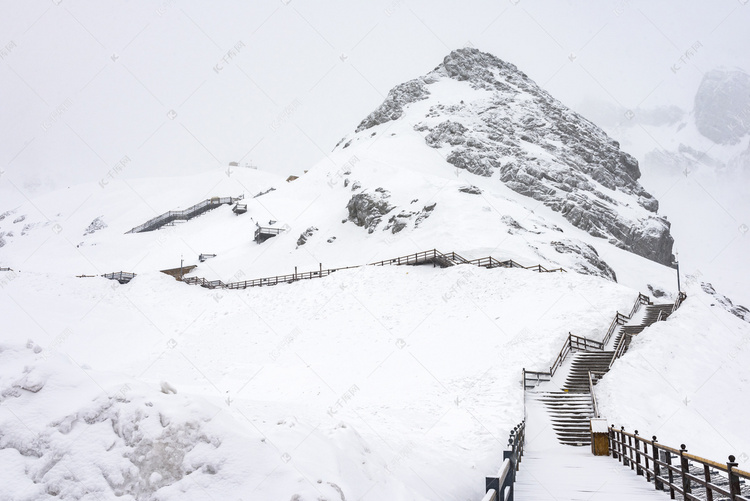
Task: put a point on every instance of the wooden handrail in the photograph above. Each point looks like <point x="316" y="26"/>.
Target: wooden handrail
<point x="500" y="485"/>
<point x="490" y="496"/>
<point x="626" y="448"/>
<point x="572" y="343"/>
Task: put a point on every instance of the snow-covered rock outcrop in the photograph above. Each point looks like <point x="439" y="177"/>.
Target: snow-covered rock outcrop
<point x="504" y="125"/>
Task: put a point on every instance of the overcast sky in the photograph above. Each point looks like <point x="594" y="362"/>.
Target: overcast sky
<point x="159" y="88"/>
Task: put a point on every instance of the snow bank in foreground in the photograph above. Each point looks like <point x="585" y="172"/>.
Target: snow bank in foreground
<point x="73" y="433"/>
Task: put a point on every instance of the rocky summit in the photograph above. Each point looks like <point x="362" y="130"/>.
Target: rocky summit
<point x="722" y="105"/>
<point x="505" y="126"/>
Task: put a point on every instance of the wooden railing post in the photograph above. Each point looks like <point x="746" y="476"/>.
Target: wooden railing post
<point x="630" y="452"/>
<point x="612" y="444"/>
<point x="734" y="480"/>
<point x="638" y="469"/>
<point x="670" y="473"/>
<point x="625" y="451"/>
<point x="684" y="470"/>
<point x="658" y="484"/>
<point x="707" y="478"/>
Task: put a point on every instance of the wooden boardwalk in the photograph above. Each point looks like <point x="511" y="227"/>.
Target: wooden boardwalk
<point x="552" y="471"/>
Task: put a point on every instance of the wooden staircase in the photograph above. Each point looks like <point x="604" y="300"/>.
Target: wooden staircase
<point x="583" y="363"/>
<point x="570" y="414"/>
<point x="653" y="313"/>
<point x="572" y="407"/>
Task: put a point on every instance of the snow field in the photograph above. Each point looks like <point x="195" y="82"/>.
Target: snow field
<point x="398" y="382"/>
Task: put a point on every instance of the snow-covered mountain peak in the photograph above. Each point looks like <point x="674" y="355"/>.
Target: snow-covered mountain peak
<point x="486" y="117"/>
<point x="722" y="105"/>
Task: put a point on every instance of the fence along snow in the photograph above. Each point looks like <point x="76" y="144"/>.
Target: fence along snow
<point x="675" y="470"/>
<point x="500" y="486"/>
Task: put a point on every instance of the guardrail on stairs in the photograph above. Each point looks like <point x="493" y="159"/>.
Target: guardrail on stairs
<point x="693" y="477"/>
<point x="434" y="257"/>
<point x="499" y="487"/>
<point x="183" y="215"/>
<point x="681" y="296"/>
<point x="531" y="379"/>
<point x="572" y="343"/>
<point x="624" y="341"/>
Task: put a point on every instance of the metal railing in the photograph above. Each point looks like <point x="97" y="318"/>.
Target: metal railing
<point x="499" y="487"/>
<point x="183" y="215"/>
<point x="121" y="276"/>
<point x="681" y="296"/>
<point x="693" y="477"/>
<point x="433" y="256"/>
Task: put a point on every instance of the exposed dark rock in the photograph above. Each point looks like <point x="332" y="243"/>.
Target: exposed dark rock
<point x="269" y="190"/>
<point x="305" y="235"/>
<point x="96" y="224"/>
<point x="475" y="163"/>
<point x="471" y="190"/>
<point x="367" y="210"/>
<point x="446" y="133"/>
<point x="537" y="147"/>
<point x="424" y="213"/>
<point x="722" y="106"/>
<point x="398" y="222"/>
<point x="735" y="309"/>
<point x="513" y="225"/>
<point x="657" y="293"/>
<point x="651" y="239"/>
<point x="592" y="264"/>
<point x="393" y="106"/>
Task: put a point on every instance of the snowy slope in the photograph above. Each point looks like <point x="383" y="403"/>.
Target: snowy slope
<point x="361" y="380"/>
<point x="421" y="201"/>
<point x="347" y="386"/>
<point x="686" y="381"/>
